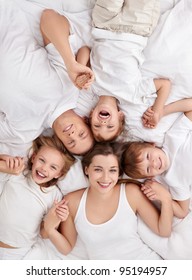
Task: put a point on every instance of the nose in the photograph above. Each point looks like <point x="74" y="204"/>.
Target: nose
<point x="103" y="122"/>
<point x="44" y="167"/>
<point x="154" y="163"/>
<point x="71" y="133"/>
<point x="105" y="176"/>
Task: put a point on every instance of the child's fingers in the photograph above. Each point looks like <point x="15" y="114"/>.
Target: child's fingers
<point x="152" y="196"/>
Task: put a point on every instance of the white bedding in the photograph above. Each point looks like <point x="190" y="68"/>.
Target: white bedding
<point x="168" y="54"/>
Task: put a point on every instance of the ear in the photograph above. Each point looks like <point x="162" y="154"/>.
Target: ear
<point x="153" y="144"/>
<point x="86" y="119"/>
<point x="33" y="157"/>
<point x="86" y="170"/>
<point x="121" y="115"/>
<point x="58" y="176"/>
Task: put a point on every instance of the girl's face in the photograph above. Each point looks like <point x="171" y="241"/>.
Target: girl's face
<point x="47" y="164"/>
<point x="103" y="172"/>
<point x="154" y="161"/>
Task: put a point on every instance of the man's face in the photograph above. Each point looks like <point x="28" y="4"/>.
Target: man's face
<point x="74" y="133"/>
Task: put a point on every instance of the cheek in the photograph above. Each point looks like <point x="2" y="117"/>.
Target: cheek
<point x="93" y="177"/>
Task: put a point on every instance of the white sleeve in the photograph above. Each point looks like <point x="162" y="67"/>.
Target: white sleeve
<point x="4" y="177"/>
<point x="180" y="129"/>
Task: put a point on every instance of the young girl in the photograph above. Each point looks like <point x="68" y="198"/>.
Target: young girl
<point x="171" y="163"/>
<point x="104" y="215"/>
<point x="25" y="199"/>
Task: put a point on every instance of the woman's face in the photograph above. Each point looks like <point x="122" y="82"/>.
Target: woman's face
<point x="47" y="164"/>
<point x="103" y="172"/>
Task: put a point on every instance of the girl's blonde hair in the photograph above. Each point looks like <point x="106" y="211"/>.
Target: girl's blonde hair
<point x="131" y="158"/>
<point x="52" y="142"/>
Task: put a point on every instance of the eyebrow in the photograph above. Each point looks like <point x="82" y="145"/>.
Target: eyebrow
<point x="102" y="166"/>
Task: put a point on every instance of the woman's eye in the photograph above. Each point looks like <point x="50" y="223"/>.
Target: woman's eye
<point x="97" y="169"/>
<point x="113" y="170"/>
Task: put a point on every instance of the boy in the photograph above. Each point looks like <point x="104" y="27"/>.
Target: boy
<point x="172" y="161"/>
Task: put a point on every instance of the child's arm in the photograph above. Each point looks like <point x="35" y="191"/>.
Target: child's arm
<point x="183" y="105"/>
<point x="153" y="114"/>
<point x="11" y="165"/>
<point x="83" y="57"/>
<point x="55" y="29"/>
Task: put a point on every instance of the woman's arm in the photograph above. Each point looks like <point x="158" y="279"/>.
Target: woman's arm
<point x="158" y="221"/>
<point x="57" y="237"/>
<point x="59" y="226"/>
<point x="181" y="208"/>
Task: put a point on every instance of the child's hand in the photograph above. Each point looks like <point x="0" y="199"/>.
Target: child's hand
<point x="76" y="70"/>
<point x="51" y="220"/>
<point x="151" y="118"/>
<point x="83" y="81"/>
<point x="13" y="165"/>
<point x="62" y="210"/>
<point x="154" y="190"/>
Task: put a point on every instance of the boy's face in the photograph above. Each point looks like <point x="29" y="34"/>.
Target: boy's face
<point x="153" y="161"/>
<point x="106" y="121"/>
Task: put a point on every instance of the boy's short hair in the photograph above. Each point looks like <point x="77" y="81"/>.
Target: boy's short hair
<point x="131" y="158"/>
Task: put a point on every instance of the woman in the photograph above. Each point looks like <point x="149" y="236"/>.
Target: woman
<point x="104" y="215"/>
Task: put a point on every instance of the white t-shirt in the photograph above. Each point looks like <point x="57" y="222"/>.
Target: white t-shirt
<point x="22" y="207"/>
<point x="116" y="59"/>
<point x="31" y="93"/>
<point x="178" y="147"/>
<point x="134" y="129"/>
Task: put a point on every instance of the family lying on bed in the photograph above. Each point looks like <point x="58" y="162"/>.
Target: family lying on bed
<point x="111" y="205"/>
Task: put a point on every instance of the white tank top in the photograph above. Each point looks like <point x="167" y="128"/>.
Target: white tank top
<point x="116" y="238"/>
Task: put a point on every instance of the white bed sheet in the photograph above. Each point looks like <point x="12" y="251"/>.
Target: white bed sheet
<point x="174" y="61"/>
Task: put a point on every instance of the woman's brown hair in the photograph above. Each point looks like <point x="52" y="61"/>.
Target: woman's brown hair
<point x="105" y="149"/>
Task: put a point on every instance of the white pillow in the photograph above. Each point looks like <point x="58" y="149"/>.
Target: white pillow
<point x="66" y="5"/>
<point x="177" y="246"/>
